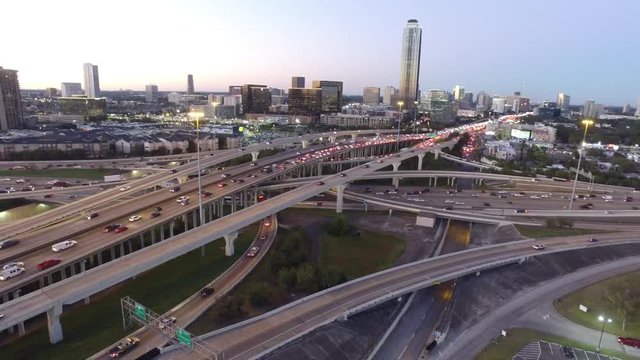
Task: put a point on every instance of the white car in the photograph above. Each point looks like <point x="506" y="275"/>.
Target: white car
<point x="167" y="322"/>
<point x="449" y="201"/>
<point x="538" y="246"/>
<point x="125" y="188"/>
<point x="63" y="245"/>
<point x="135" y="218"/>
<point x="12" y="264"/>
<point x="535" y="197"/>
<point x="182" y="198"/>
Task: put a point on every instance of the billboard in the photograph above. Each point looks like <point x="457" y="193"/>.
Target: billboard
<point x="521" y="134"/>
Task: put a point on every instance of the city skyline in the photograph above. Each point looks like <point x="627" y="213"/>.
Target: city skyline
<point x="461" y="44"/>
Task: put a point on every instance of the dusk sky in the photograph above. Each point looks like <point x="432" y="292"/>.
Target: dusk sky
<point x="587" y="49"/>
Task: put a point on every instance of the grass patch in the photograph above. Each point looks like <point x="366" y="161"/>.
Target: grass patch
<point x="517" y="338"/>
<point x="379" y="251"/>
<point x="89" y="174"/>
<point x="90" y="328"/>
<point x="542" y="232"/>
<point x="592" y="297"/>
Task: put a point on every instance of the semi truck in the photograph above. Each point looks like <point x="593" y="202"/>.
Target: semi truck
<point x="112" y="178"/>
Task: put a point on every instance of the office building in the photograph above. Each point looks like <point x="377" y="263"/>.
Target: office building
<point x="590" y="109"/>
<point x="389" y="95"/>
<point x="305" y="101"/>
<point x="215" y="99"/>
<point x="458" y="93"/>
<point x="190" y="88"/>
<point x="563" y="101"/>
<point x="82" y="106"/>
<point x="11" y="115"/>
<point x="410" y="62"/>
<point x="437" y="106"/>
<point x="235" y="90"/>
<point x="52" y="92"/>
<point x="498" y="104"/>
<point x="151" y="93"/>
<point x="255" y="98"/>
<point x="637" y="114"/>
<point x="297" y="81"/>
<point x="331" y="94"/>
<point x="91" y="81"/>
<point x="70" y="89"/>
<point x="483" y="101"/>
<point x="371" y="96"/>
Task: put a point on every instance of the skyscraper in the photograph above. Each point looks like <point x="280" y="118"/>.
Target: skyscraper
<point x="151" y="93"/>
<point x="331" y="94"/>
<point x="590" y="109"/>
<point x="297" y="81"/>
<point x="305" y="101"/>
<point x="483" y="101"/>
<point x="371" y="96"/>
<point x="563" y="101"/>
<point x="637" y="114"/>
<point x="91" y="81"/>
<point x="11" y="116"/>
<point x="410" y="63"/>
<point x="389" y="95"/>
<point x="458" y="93"/>
<point x="190" y="88"/>
<point x="255" y="98"/>
<point x="70" y="89"/>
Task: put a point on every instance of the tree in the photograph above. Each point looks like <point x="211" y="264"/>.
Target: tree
<point x="307" y="278"/>
<point x="331" y="275"/>
<point x="340" y="226"/>
<point x="260" y="294"/>
<point x="231" y="307"/>
<point x="624" y="297"/>
<point x="287" y="278"/>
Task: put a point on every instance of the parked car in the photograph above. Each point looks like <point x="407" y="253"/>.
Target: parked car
<point x="48" y="263"/>
<point x="124" y="347"/>
<point x="8" y="243"/>
<point x="629" y="342"/>
<point x="63" y="245"/>
<point x="206" y="292"/>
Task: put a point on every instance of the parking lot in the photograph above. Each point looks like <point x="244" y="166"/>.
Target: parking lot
<point x="543" y="350"/>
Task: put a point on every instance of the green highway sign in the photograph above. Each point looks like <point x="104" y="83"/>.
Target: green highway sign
<point x="140" y="311"/>
<point x="184" y="337"/>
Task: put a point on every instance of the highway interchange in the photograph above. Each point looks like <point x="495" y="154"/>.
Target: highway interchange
<point x="71" y="289"/>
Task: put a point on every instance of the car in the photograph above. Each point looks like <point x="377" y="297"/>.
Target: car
<point x="173" y="171"/>
<point x="538" y="246"/>
<point x="174" y="189"/>
<point x="158" y="208"/>
<point x="125" y="188"/>
<point x="48" y="196"/>
<point x="124" y="347"/>
<point x="568" y="352"/>
<point x="320" y="183"/>
<point x="608" y="212"/>
<point x="182" y="198"/>
<point x="459" y="203"/>
<point x="221" y="185"/>
<point x="448" y="208"/>
<point x="206" y="292"/>
<point x="205" y="193"/>
<point x="380" y="161"/>
<point x="449" y="201"/>
<point x="629" y="342"/>
<point x="167" y="322"/>
<point x="48" y="263"/>
<point x="592" y="239"/>
<point x="10" y="272"/>
<point x="253" y="164"/>
<point x="63" y="245"/>
<point x="263" y="237"/>
<point x="225" y="175"/>
<point x="253" y="251"/>
<point x="92" y="215"/>
<point x="520" y="211"/>
<point x="8" y="243"/>
<point x="267" y="222"/>
<point x="12" y="264"/>
<point x="135" y="218"/>
<point x="120" y="229"/>
<point x="343" y="175"/>
<point x="71" y="197"/>
<point x="111" y="227"/>
<point x="486" y="204"/>
<point x="155" y="214"/>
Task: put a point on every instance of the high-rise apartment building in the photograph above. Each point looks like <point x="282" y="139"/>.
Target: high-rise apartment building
<point x="305" y="101"/>
<point x="70" y="89"/>
<point x="590" y="109"/>
<point x="235" y="90"/>
<point x="498" y="104"/>
<point x="91" y="81"/>
<point x="11" y="116"/>
<point x="563" y="101"/>
<point x="255" y="98"/>
<point x="151" y="93"/>
<point x="297" y="81"/>
<point x="331" y="94"/>
<point x="371" y="95"/>
<point x="410" y="63"/>
<point x="389" y="95"/>
<point x="190" y="88"/>
<point x="436" y="103"/>
<point x="458" y="93"/>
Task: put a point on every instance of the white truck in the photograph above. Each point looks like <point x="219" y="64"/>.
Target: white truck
<point x="112" y="178"/>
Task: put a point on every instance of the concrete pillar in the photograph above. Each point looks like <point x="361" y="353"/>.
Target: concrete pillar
<point x="83" y="268"/>
<point x="229" y="239"/>
<point x="395" y="181"/>
<point x="54" y="325"/>
<point x="340" y="198"/>
<point x="396" y="166"/>
<point x="100" y="262"/>
<point x="420" y="158"/>
<point x="186" y="223"/>
<point x="436" y="154"/>
<point x="21" y="331"/>
<point x="122" y="249"/>
<point x="435" y="182"/>
<point x="113" y="253"/>
<point x="320" y="169"/>
<point x="333" y="139"/>
<point x="153" y="238"/>
<point x="254" y="156"/>
<point x="305" y="144"/>
<point x="196" y="221"/>
<point x="354" y="136"/>
<point x="171" y="225"/>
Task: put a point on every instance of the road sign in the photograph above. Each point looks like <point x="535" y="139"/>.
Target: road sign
<point x="140" y="311"/>
<point x="588" y="175"/>
<point x="184" y="337"/>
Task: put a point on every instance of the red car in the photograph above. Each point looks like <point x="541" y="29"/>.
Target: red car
<point x="48" y="263"/>
<point x="629" y="342"/>
<point x="120" y="229"/>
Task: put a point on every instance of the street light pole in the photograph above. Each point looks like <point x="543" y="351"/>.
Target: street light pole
<point x="602" y="319"/>
<point x="586" y="123"/>
<point x="197" y="117"/>
<point x="415" y="116"/>
<point x="400" y="103"/>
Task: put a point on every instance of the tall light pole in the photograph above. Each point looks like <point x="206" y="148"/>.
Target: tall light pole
<point x="586" y="123"/>
<point x="601" y="318"/>
<point x="400" y="103"/>
<point x="197" y="116"/>
<point x="415" y="116"/>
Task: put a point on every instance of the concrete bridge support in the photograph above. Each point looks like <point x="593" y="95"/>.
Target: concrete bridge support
<point x="436" y="154"/>
<point x="340" y="198"/>
<point x="305" y="144"/>
<point x="254" y="156"/>
<point x="54" y="325"/>
<point x="396" y="180"/>
<point x="420" y="158"/>
<point x="229" y="239"/>
<point x="333" y="139"/>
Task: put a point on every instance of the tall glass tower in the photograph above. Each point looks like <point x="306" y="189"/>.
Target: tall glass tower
<point x="410" y="63"/>
<point x="91" y="81"/>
